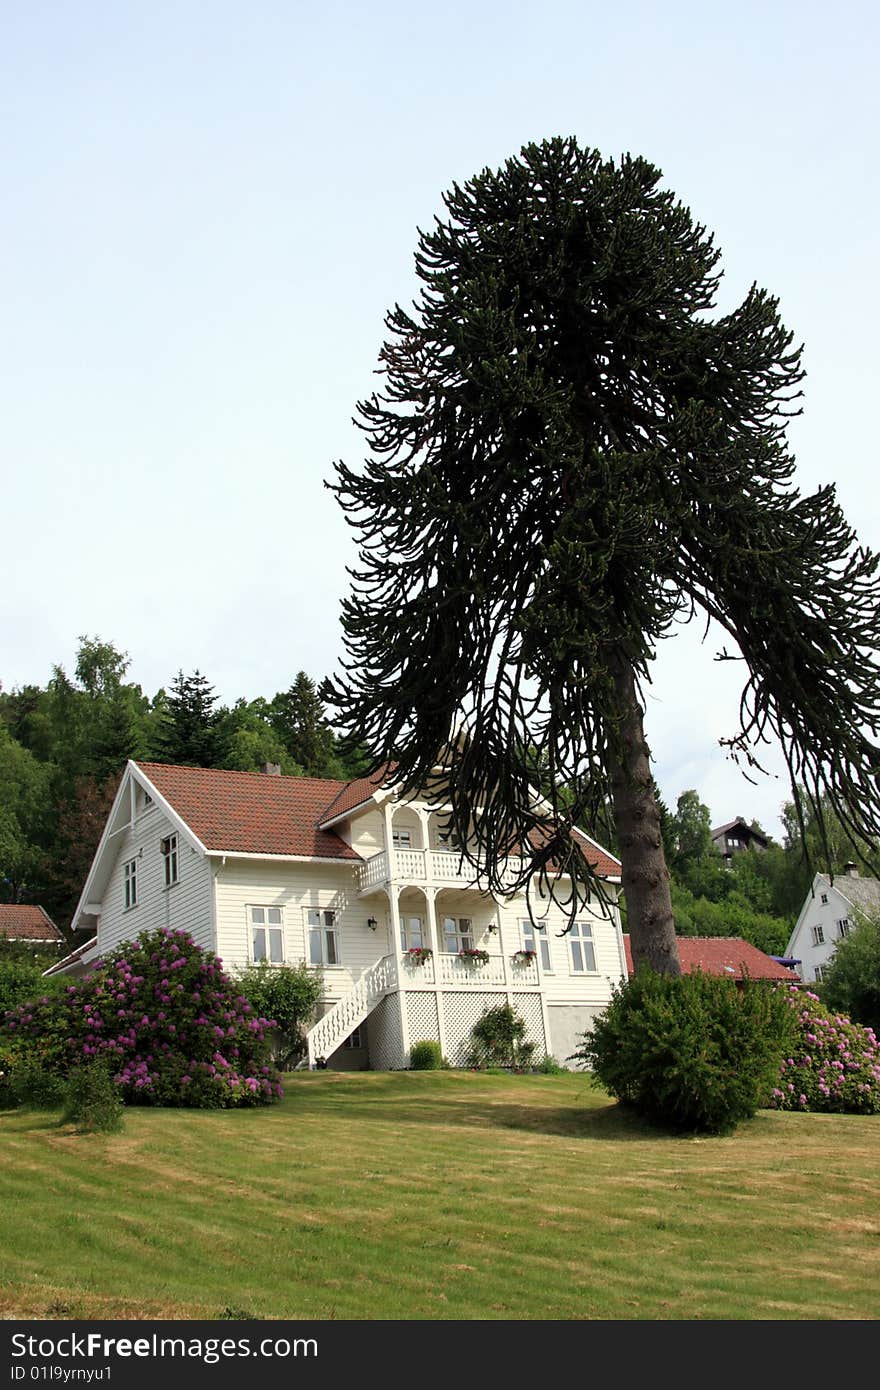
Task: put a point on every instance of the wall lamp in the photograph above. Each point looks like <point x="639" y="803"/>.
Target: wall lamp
<point x="372" y="923"/>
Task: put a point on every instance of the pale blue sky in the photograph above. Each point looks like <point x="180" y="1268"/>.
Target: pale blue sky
<point x="207" y="210"/>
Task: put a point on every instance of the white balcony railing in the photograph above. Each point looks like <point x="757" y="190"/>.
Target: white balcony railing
<point x="421" y="866"/>
<point x="459" y="970"/>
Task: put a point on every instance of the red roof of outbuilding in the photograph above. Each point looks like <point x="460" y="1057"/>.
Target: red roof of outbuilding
<point x="252" y="812"/>
<point x="723" y="955"/>
<point x="27" y="922"/>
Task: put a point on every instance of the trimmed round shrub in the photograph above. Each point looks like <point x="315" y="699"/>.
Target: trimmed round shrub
<point x="690" y="1052"/>
<point x="498" y="1040"/>
<point x="425" y="1056"/>
<point x="832" y="1064"/>
<point x="167" y="1020"/>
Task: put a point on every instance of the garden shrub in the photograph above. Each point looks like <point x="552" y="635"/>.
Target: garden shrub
<point x="498" y="1039"/>
<point x="833" y="1064"/>
<point x="21" y="979"/>
<point x="92" y="1100"/>
<point x="288" y="994"/>
<point x="171" y="1025"/>
<point x="549" y="1066"/>
<point x="32" y="1084"/>
<point x="426" y="1056"/>
<point x="690" y="1052"/>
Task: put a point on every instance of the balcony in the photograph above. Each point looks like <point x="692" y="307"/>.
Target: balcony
<point x="451" y="971"/>
<point x="439" y="867"/>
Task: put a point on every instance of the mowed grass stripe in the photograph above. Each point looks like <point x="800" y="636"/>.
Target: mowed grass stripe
<point x="444" y="1195"/>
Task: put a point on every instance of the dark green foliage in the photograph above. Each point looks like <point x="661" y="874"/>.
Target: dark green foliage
<point x="692" y="1053"/>
<point x="573" y="450"/>
<point x="852" y="980"/>
<point x="548" y="1066"/>
<point x="32" y="1083"/>
<point x="92" y="1101"/>
<point x="288" y="995"/>
<point x="498" y="1039"/>
<point x="21" y="979"/>
<point x="299" y="720"/>
<point x="191" y="733"/>
<point x="425" y="1056"/>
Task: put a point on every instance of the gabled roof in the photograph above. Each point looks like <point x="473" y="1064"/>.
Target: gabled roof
<point x="723" y="955"/>
<point x="252" y="812"/>
<point x="862" y="893"/>
<point x="741" y="824"/>
<point x="356" y="793"/>
<point x="27" y="922"/>
<point x="82" y="953"/>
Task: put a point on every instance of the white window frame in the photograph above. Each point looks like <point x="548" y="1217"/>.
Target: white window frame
<point x="322" y="927"/>
<point x="581" y="936"/>
<point x="401" y="839"/>
<point x="170" y="848"/>
<point x="818" y="935"/>
<point x="844" y="927"/>
<point x="819" y="974"/>
<point x="272" y="920"/>
<point x="355" y="1038"/>
<point x="412" y="936"/>
<point x="824" y="897"/>
<point x="536" y="939"/>
<point x="130" y="879"/>
<point x="461" y="934"/>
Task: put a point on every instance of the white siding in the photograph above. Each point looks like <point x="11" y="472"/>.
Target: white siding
<point x="186" y="905"/>
<point x="815" y="913"/>
<point x="294" y="888"/>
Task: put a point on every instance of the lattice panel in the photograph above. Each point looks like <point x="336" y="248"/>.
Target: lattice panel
<point x="528" y="1006"/>
<point x="421" y="1014"/>
<point x="384" y="1036"/>
<point x="460" y="1012"/>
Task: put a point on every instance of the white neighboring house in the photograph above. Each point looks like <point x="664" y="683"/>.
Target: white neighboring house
<point x="352" y="879"/>
<point x="831" y="911"/>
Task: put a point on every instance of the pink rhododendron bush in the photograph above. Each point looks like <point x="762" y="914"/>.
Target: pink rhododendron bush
<point x="835" y="1065"/>
<point x="166" y="1020"/>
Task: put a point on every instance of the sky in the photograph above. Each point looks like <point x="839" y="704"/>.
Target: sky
<point x="209" y="208"/>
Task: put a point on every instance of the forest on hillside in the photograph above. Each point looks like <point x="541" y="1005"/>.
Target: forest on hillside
<point x="64" y="745"/>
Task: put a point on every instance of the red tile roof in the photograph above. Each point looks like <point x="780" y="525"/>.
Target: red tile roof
<point x="27" y="922"/>
<point x="723" y="955"/>
<point x="252" y="812"/>
<point x="356" y="792"/>
<point x="604" y="863"/>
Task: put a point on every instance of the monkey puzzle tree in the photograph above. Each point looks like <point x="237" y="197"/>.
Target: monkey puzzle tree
<point x="571" y="453"/>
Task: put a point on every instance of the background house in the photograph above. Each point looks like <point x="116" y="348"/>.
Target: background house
<point x="830" y="912"/>
<point x="723" y="955"/>
<point x="736" y="836"/>
<point x="27" y="922"/>
<point x="360" y="884"/>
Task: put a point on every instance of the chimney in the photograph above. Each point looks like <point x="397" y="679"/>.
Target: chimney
<point x="271" y="769"/>
<point x="850" y="869"/>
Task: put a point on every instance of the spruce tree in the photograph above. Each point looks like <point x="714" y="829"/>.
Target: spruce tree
<point x="572" y="451"/>
<point x="190" y="732"/>
<point x="301" y="722"/>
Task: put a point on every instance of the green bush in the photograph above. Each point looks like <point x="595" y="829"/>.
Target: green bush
<point x="21" y="979"/>
<point x="691" y="1052"/>
<point x="498" y="1039"/>
<point x="852" y="981"/>
<point x="92" y="1100"/>
<point x="34" y="1084"/>
<point x="426" y="1056"/>
<point x="548" y="1066"/>
<point x="288" y="995"/>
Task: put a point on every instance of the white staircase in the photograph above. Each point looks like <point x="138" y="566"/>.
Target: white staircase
<point x="350" y="1012"/>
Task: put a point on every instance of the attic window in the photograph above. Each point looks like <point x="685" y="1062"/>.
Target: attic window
<point x="824" y="897"/>
<point x="169" y="854"/>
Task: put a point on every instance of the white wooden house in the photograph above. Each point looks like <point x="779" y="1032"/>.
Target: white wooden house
<point x="830" y="912"/>
<point x="358" y="882"/>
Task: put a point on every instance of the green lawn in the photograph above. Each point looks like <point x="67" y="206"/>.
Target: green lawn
<point x="438" y="1195"/>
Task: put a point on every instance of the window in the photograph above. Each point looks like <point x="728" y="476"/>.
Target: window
<point x="323" y="937"/>
<point x="169" y="854"/>
<point x="401" y="839"/>
<point x="818" y="936"/>
<point x="536" y="941"/>
<point x="843" y="927"/>
<point x="131" y="884"/>
<point x="583" y="955"/>
<point x="267" y="935"/>
<point x="820" y="972"/>
<point x="824" y="897"/>
<point x="354" y="1039"/>
<point x="458" y="934"/>
<point x="412" y="933"/>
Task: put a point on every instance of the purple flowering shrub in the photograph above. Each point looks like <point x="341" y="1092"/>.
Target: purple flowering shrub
<point x="167" y="1020"/>
<point x="835" y="1065"/>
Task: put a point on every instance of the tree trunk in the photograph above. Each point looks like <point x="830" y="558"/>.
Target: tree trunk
<point x="645" y="875"/>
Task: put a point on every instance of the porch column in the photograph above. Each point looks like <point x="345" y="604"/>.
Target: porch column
<point x="434" y="942"/>
<point x="425" y="823"/>
<point x="394" y="903"/>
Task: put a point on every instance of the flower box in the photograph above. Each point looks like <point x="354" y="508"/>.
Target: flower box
<point x="417" y="955"/>
<point x="524" y="957"/>
<point x="474" y="956"/>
